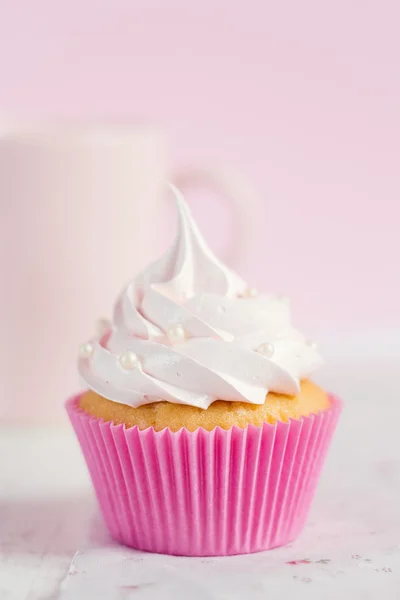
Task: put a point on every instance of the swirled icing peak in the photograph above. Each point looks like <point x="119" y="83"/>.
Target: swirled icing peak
<point x="188" y="330"/>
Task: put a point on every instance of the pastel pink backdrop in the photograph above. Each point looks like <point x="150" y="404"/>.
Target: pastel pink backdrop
<point x="302" y="96"/>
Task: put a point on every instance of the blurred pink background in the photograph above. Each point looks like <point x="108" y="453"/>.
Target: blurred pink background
<point x="303" y="97"/>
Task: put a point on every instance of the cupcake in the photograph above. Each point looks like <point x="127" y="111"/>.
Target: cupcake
<point x="199" y="423"/>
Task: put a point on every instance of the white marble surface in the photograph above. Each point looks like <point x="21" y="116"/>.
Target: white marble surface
<point x="54" y="545"/>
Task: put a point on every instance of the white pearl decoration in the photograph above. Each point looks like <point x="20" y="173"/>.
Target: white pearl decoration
<point x="129" y="360"/>
<point x="86" y="350"/>
<point x="176" y="333"/>
<point x="266" y="349"/>
<point x="250" y="292"/>
<point x="312" y="345"/>
<point x="102" y="325"/>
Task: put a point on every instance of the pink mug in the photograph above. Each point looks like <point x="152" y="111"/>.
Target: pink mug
<point x="81" y="211"/>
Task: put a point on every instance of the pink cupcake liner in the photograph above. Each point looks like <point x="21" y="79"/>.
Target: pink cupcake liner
<point x="205" y="493"/>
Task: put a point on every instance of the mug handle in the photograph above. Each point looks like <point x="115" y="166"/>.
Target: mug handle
<point x="244" y="200"/>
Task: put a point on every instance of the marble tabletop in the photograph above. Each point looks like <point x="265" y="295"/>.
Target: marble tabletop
<point x="53" y="543"/>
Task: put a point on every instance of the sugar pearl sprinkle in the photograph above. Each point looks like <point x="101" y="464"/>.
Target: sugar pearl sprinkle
<point x="265" y="349"/>
<point x="129" y="360"/>
<point x="176" y="333"/>
<point x="312" y="345"/>
<point x="86" y="350"/>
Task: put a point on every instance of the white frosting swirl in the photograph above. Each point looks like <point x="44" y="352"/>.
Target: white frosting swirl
<point x="218" y="357"/>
